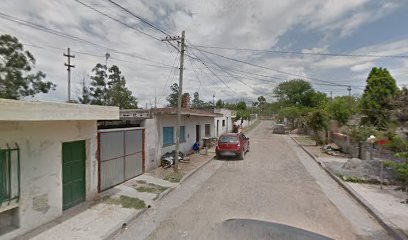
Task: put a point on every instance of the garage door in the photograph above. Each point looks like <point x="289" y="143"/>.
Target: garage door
<point x="121" y="155"/>
<point x="73" y="173"/>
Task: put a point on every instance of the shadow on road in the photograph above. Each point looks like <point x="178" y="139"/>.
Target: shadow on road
<point x="257" y="229"/>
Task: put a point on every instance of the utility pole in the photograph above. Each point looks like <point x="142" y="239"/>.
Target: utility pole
<point x="155" y="98"/>
<point x="349" y="90"/>
<point x="69" y="66"/>
<point x="180" y="40"/>
<point x="213" y="102"/>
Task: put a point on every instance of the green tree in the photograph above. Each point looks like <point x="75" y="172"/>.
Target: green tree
<point x="118" y="94"/>
<point x="242" y="114"/>
<point x="99" y="85"/>
<point x="219" y="104"/>
<point x="261" y="101"/>
<point x="380" y="90"/>
<point x="341" y="109"/>
<point x="16" y="65"/>
<point x="317" y="121"/>
<point x="295" y="92"/>
<point x="173" y="97"/>
<point x="294" y="115"/>
<point x="85" y="97"/>
<point x="108" y="87"/>
<point x="241" y="106"/>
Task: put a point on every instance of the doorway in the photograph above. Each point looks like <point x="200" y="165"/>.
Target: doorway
<point x="198" y="130"/>
<point x="73" y="173"/>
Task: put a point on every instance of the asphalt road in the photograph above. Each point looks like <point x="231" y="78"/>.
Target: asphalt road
<point x="277" y="192"/>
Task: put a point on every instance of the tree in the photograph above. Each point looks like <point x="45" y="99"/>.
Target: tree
<point x="173" y="97"/>
<point x="16" y="77"/>
<point x="108" y="87"/>
<point x="375" y="103"/>
<point x="99" y="85"/>
<point x="296" y="92"/>
<point x="317" y="121"/>
<point x="341" y="109"/>
<point x="261" y="101"/>
<point x="219" y="104"/>
<point x="400" y="106"/>
<point x="85" y="97"/>
<point x="241" y="106"/>
<point x="118" y="94"/>
<point x="294" y="114"/>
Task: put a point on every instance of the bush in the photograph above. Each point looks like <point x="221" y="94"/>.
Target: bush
<point x="401" y="169"/>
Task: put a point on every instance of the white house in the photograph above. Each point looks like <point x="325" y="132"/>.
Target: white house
<point x="223" y="123"/>
<point x="160" y="130"/>
<point x="47" y="161"/>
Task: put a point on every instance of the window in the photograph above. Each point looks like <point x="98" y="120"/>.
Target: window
<point x="182" y="134"/>
<point x="207" y="130"/>
<point x="223" y="123"/>
<point x="9" y="175"/>
<point x="168" y="136"/>
<point x="228" y="139"/>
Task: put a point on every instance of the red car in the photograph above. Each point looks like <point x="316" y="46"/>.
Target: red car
<point x="232" y="144"/>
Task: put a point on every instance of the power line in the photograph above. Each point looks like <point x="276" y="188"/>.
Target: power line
<point x="71" y="37"/>
<point x="116" y="20"/>
<point x="272" y="69"/>
<point x="305" y="53"/>
<point x="138" y="17"/>
<point x="100" y="56"/>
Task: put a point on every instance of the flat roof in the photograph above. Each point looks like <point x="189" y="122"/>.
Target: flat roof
<point x="14" y="110"/>
<point x="186" y="112"/>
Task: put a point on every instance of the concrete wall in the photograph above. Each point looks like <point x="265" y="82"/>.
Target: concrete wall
<point x="152" y="154"/>
<point x="190" y="131"/>
<point x="40" y="146"/>
<point x="226" y="118"/>
<point x="13" y="110"/>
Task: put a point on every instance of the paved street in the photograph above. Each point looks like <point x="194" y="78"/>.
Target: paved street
<point x="276" y="183"/>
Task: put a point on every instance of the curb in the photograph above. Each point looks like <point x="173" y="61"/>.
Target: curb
<point x="388" y="226"/>
<point x="132" y="217"/>
<point x="166" y="192"/>
<point x="118" y="228"/>
<point x="195" y="170"/>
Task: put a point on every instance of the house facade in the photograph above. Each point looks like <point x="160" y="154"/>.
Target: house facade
<point x="160" y="130"/>
<point x="222" y="123"/>
<point x="47" y="161"/>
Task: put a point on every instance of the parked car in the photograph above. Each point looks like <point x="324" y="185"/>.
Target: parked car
<point x="232" y="144"/>
<point x="279" y="129"/>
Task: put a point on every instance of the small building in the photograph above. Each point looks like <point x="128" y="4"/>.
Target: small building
<point x="223" y="124"/>
<point x="47" y="161"/>
<point x="160" y="130"/>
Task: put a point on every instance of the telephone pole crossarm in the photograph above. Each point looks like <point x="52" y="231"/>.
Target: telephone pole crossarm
<point x="69" y="66"/>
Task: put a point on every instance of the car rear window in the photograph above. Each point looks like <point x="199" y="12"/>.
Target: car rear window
<point x="228" y="139"/>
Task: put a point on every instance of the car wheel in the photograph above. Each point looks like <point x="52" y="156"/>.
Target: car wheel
<point x="241" y="155"/>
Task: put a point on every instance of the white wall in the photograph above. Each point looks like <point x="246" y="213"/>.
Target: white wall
<point x="41" y="165"/>
<point x="151" y="142"/>
<point x="228" y="122"/>
<point x="190" y="131"/>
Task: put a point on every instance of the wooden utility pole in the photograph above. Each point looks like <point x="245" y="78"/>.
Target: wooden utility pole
<point x="69" y="66"/>
<point x="181" y="41"/>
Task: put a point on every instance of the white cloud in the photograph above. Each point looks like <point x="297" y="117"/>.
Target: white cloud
<point x="241" y="24"/>
<point x="362" y="67"/>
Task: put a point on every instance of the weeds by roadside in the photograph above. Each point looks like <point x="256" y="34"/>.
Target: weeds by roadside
<point x="126" y="202"/>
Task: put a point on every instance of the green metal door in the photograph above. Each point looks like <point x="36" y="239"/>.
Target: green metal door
<point x="73" y="173"/>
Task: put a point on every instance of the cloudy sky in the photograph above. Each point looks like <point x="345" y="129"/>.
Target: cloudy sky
<point x="286" y="27"/>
